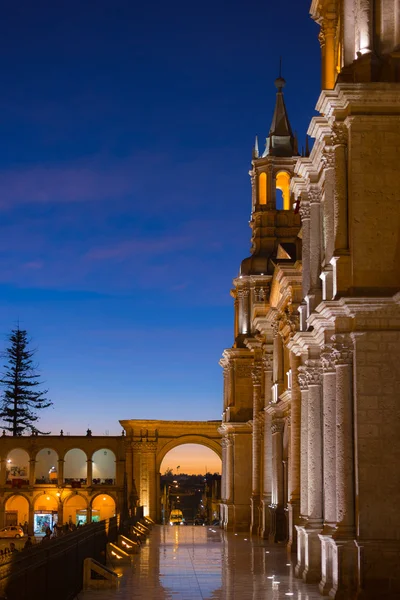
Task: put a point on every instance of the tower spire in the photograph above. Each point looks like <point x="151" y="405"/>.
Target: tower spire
<point x="280" y="141"/>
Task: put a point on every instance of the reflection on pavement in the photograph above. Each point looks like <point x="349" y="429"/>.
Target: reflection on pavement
<point x="204" y="563"/>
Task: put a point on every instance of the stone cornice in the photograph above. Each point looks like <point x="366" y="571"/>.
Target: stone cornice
<point x="359" y="98"/>
<point x="232" y="427"/>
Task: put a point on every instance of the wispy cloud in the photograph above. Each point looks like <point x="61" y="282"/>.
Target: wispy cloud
<point x="143" y="247"/>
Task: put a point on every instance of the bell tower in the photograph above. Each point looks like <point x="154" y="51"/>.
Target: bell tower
<point x="275" y="227"/>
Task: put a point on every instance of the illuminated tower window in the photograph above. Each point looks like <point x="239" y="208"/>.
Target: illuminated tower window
<point x="283" y="184"/>
<point x="262" y="188"/>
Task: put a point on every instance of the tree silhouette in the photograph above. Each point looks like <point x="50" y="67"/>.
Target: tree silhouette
<point x="21" y="399"/>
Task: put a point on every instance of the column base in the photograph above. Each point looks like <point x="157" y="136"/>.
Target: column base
<point x="301" y="562"/>
<point x="293" y="515"/>
<point x="236" y="517"/>
<point x="265" y="525"/>
<point x="312" y="552"/>
<point x="278" y="524"/>
<point x="255" y="515"/>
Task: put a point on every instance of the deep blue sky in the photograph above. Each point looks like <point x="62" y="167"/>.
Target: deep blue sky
<point x="126" y="132"/>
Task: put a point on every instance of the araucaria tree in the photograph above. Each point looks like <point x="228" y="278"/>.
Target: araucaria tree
<point x="21" y="398"/>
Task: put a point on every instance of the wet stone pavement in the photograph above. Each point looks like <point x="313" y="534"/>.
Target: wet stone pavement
<point x="202" y="563"/>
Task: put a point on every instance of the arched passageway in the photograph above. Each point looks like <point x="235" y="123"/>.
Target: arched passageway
<point x="75" y="510"/>
<point x="103" y="507"/>
<point x="45" y="513"/>
<point x="17" y="467"/>
<point x="149" y="442"/>
<point x="190" y="485"/>
<point x="16" y="510"/>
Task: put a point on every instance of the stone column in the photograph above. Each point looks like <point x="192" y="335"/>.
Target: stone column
<point x="343" y="358"/>
<point x="89" y="472"/>
<point x="267" y="446"/>
<point x="301" y="540"/>
<point x="277" y="532"/>
<point x="329" y="467"/>
<point x="364" y="44"/>
<point x="60" y="471"/>
<point x="256" y="447"/>
<point x="149" y="454"/>
<point x="315" y="294"/>
<point x="305" y="220"/>
<point x="32" y="474"/>
<point x="329" y="55"/>
<point x="31" y="517"/>
<point x="3" y="471"/>
<point x="244" y="313"/>
<point x="397" y="25"/>
<point x="313" y="528"/>
<point x="229" y="470"/>
<point x="341" y="259"/>
<point x="295" y="453"/>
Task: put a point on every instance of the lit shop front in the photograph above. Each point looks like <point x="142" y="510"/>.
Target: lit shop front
<point x="42" y="520"/>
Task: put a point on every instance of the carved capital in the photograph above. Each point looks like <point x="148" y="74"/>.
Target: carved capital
<point x="304" y="210"/>
<point x="145" y="446"/>
<point x="327" y="362"/>
<point x="342" y="350"/>
<point x="302" y="378"/>
<point x="268" y="361"/>
<point x="313" y="372"/>
<point x="339" y="134"/>
<point x="277" y="426"/>
<point x="328" y="157"/>
<point x="314" y="196"/>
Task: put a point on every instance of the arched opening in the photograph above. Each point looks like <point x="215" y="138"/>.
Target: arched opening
<point x="17" y="468"/>
<point x="262" y="188"/>
<point x="16" y="511"/>
<point x="283" y="185"/>
<point x="190" y="489"/>
<point x="104" y="467"/>
<point x="46" y="466"/>
<point x="75" y="468"/>
<point x="45" y="513"/>
<point x="103" y="507"/>
<point x="75" y="510"/>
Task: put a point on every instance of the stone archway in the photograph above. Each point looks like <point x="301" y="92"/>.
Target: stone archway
<point x="147" y="444"/>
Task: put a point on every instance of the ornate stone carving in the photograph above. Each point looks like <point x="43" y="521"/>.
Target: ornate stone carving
<point x="314" y="196"/>
<point x="256" y="373"/>
<point x="302" y="378"/>
<point x="261" y="294"/>
<point x="339" y="134"/>
<point x="277" y="426"/>
<point x="328" y="157"/>
<point x="327" y="362"/>
<point x="268" y="361"/>
<point x="144" y="446"/>
<point x="243" y="371"/>
<point x="342" y="350"/>
<point x="313" y="372"/>
<point x="304" y="210"/>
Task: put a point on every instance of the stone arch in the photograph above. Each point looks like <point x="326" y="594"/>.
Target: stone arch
<point x="11" y="504"/>
<point x="18" y="464"/>
<point x="46" y="466"/>
<point x="75" y="468"/>
<point x="104" y="466"/>
<point x="75" y="508"/>
<point x="187" y="439"/>
<point x="282" y="183"/>
<point x="102" y="511"/>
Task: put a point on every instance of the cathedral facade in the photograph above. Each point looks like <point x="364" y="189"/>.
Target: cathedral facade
<point x="311" y="415"/>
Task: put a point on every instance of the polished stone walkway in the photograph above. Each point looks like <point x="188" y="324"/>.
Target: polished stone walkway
<point x="200" y="563"/>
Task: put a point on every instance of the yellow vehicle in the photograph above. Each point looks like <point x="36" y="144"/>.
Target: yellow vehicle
<point x="176" y="517"/>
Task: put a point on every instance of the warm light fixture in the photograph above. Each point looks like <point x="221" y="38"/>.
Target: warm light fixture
<point x="104" y="498"/>
<point x="48" y="498"/>
<point x="58" y="494"/>
<point x="9" y="460"/>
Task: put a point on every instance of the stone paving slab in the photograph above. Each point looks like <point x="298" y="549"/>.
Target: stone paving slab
<point x="202" y="563"/>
